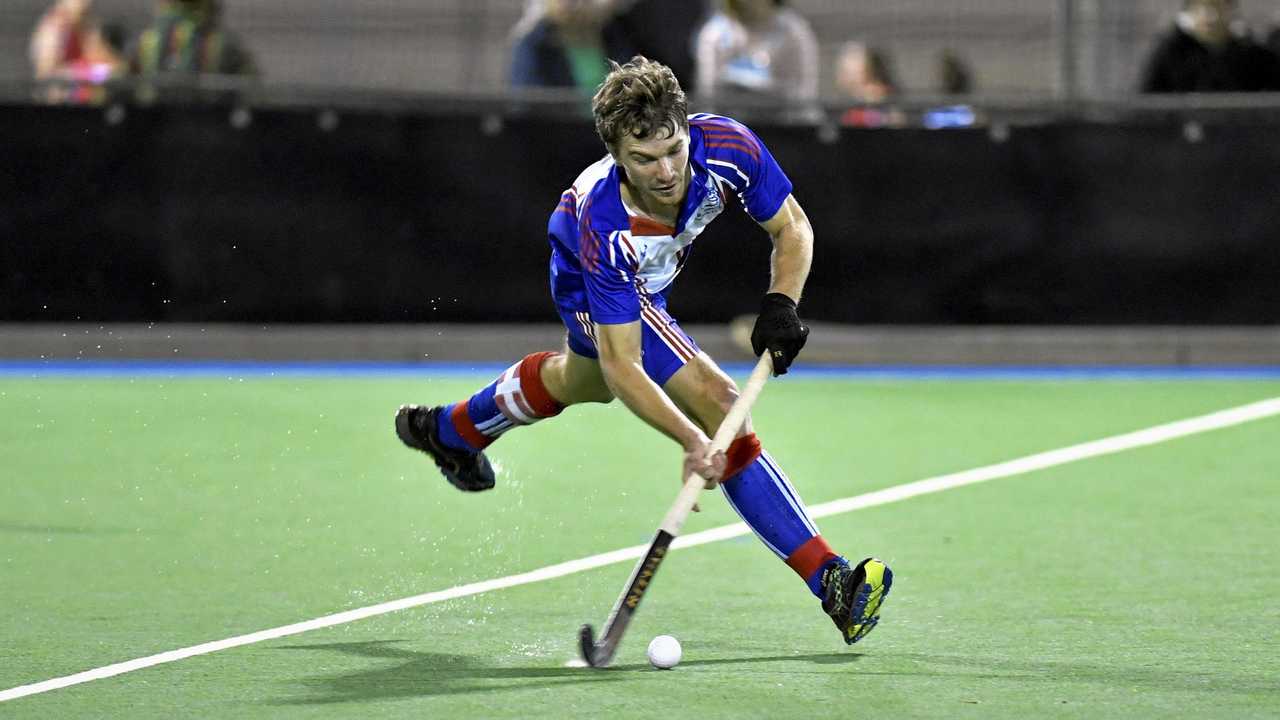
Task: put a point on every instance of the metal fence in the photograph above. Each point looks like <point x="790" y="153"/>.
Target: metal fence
<point x="1088" y="49"/>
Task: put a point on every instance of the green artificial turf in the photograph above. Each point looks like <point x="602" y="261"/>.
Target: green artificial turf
<point x="145" y="514"/>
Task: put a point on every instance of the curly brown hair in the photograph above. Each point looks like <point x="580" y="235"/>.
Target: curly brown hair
<point x="638" y="98"/>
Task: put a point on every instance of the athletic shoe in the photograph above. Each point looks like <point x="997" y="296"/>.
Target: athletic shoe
<point x="852" y="596"/>
<point x="417" y="428"/>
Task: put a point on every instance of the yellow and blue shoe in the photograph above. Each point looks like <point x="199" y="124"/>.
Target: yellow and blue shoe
<point x="852" y="596"/>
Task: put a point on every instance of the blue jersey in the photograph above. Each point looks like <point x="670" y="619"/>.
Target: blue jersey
<point x="610" y="262"/>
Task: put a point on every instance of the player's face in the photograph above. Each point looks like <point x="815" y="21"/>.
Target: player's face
<point x="657" y="167"/>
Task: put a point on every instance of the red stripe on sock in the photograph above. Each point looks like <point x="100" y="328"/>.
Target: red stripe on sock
<point x="535" y="393"/>
<point x="461" y="420"/>
<point x="741" y="453"/>
<point x="810" y="557"/>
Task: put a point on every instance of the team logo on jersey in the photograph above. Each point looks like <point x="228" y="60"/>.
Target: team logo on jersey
<point x="711" y="204"/>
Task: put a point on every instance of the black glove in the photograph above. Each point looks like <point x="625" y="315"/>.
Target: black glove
<point x="778" y="329"/>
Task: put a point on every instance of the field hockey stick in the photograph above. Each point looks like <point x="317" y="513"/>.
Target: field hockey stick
<point x="600" y="654"/>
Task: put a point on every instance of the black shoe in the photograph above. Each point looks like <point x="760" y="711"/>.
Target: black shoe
<point x="852" y="596"/>
<point x="469" y="471"/>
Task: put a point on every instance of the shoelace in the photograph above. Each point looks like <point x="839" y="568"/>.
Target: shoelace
<point x="834" y="584"/>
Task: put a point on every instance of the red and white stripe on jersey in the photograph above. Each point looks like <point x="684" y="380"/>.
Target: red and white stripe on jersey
<point x="641" y="226"/>
<point x="661" y="323"/>
<point x="721" y="132"/>
<point x="628" y="251"/>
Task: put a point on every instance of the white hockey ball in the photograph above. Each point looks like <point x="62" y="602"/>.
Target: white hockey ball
<point x="664" y="652"/>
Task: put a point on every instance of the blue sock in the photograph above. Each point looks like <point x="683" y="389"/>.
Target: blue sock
<point x="448" y="433"/>
<point x="516" y="397"/>
<point x="763" y="497"/>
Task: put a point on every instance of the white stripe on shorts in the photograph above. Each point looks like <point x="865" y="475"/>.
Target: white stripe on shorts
<point x="588" y="327"/>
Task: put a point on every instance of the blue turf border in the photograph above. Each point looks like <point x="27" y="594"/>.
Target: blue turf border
<point x="199" y="368"/>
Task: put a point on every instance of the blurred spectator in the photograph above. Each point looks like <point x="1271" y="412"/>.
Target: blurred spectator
<point x="567" y="43"/>
<point x="954" y="78"/>
<point x="757" y="48"/>
<point x="1204" y="53"/>
<point x="186" y="36"/>
<point x="1273" y="37"/>
<point x="68" y="44"/>
<point x="665" y="30"/>
<point x="863" y="74"/>
<point x="954" y="75"/>
<point x="117" y="38"/>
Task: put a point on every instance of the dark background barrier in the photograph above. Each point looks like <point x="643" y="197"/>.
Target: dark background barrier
<point x="173" y="214"/>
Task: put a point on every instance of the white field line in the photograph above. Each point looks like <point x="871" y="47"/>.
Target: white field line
<point x="1030" y="463"/>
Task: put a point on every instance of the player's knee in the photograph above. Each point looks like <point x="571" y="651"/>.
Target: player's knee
<point x="582" y="382"/>
<point x="597" y="394"/>
<point x="725" y="394"/>
<point x="718" y="395"/>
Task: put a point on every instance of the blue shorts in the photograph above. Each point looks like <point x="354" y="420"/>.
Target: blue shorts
<point x="664" y="346"/>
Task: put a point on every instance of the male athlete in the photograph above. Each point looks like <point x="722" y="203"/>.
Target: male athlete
<point x="618" y="239"/>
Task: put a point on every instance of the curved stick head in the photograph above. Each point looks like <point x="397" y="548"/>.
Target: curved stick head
<point x="587" y="645"/>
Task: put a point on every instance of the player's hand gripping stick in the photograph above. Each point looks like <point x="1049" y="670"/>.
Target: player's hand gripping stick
<point x="778" y="332"/>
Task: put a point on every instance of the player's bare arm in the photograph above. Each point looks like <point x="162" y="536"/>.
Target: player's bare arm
<point x="624" y="373"/>
<point x="778" y="329"/>
<point x="792" y="237"/>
